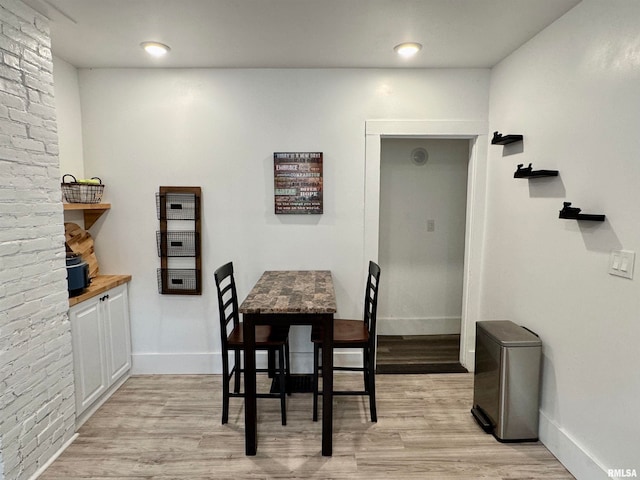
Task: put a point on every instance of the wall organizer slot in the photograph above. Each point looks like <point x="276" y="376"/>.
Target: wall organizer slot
<point x="178" y="244"/>
<point x="573" y="213"/>
<point x="528" y="172"/>
<point x="176" y="206"/>
<point x="178" y="241"/>
<point x="499" y="139"/>
<point x="182" y="281"/>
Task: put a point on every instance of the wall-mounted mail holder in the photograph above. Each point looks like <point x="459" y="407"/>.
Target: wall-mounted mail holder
<point x="178" y="210"/>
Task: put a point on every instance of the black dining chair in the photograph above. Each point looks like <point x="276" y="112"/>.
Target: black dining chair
<point x="272" y="340"/>
<point x="354" y="334"/>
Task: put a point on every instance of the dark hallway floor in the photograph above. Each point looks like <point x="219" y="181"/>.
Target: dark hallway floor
<point x="418" y="354"/>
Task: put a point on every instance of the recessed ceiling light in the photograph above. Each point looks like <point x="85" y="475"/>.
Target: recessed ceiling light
<point x="407" y="49"/>
<point x="155" y="49"/>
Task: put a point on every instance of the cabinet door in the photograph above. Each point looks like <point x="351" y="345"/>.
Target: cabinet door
<point x="87" y="335"/>
<point x="117" y="332"/>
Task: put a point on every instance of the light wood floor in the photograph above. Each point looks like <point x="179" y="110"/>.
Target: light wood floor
<point x="168" y="427"/>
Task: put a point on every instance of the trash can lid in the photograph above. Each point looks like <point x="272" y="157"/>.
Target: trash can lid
<point x="508" y="334"/>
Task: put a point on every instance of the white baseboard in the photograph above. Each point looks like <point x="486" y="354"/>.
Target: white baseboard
<point x="175" y="363"/>
<point x="569" y="452"/>
<point x="41" y="470"/>
<point x="419" y="326"/>
<point x="210" y="363"/>
<point x="470" y="361"/>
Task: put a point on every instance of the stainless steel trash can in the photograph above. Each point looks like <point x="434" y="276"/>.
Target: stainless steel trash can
<point x="507" y="381"/>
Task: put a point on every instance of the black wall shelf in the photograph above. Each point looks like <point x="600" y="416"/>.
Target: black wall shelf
<point x="499" y="139"/>
<point x="528" y="172"/>
<point x="573" y="213"/>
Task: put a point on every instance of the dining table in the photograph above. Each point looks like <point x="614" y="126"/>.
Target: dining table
<point x="284" y="298"/>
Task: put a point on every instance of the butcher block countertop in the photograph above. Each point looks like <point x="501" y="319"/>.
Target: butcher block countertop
<point x="99" y="284"/>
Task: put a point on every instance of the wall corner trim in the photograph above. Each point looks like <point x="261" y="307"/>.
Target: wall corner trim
<point x="568" y="450"/>
<point x="464" y="128"/>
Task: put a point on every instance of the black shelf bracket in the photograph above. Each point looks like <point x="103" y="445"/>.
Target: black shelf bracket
<point x="528" y="172"/>
<point x="499" y="139"/>
<point x="573" y="213"/>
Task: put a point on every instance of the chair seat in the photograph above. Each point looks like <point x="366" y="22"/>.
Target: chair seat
<point x="266" y="336"/>
<point x="344" y="332"/>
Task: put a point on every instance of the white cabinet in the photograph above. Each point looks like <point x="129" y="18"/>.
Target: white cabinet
<point x="117" y="333"/>
<point x="87" y="333"/>
<point x="101" y="342"/>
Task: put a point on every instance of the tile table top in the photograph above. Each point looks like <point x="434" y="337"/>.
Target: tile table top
<point x="292" y="291"/>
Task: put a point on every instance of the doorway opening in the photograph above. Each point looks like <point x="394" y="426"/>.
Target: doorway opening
<point x="475" y="134"/>
<point x="423" y="199"/>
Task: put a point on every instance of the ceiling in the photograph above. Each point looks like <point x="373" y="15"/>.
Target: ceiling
<point x="294" y="33"/>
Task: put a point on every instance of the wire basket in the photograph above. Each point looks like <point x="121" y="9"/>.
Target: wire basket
<point x="177" y="206"/>
<point x="76" y="192"/>
<point x="178" y="244"/>
<point x="181" y="281"/>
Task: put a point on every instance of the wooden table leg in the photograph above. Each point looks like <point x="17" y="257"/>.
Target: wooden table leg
<point x="250" y="413"/>
<point x="327" y="385"/>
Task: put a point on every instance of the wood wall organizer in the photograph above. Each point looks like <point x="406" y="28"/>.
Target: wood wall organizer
<point x="528" y="172"/>
<point x="499" y="139"/>
<point x="179" y="208"/>
<point x="573" y="213"/>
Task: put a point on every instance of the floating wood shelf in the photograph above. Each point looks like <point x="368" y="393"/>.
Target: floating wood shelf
<point x="91" y="211"/>
<point x="499" y="139"/>
<point x="573" y="213"/>
<point x="527" y="172"/>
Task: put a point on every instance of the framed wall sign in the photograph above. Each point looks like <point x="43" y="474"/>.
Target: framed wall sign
<point x="297" y="180"/>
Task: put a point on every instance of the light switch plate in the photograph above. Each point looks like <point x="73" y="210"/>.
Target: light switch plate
<point x="431" y="225"/>
<point x="621" y="263"/>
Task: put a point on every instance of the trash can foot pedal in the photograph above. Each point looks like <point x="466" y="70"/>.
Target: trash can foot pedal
<point x="482" y="420"/>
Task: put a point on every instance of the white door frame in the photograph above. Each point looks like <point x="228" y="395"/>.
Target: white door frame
<point x="476" y="133"/>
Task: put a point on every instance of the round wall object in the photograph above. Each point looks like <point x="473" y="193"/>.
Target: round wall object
<point x="419" y="156"/>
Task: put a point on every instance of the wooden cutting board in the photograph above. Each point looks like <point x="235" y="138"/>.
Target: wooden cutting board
<point x="80" y="241"/>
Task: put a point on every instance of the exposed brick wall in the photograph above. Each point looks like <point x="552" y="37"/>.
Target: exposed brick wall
<point x="37" y="408"/>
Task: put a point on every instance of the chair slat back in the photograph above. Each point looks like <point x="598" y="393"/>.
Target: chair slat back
<point x="227" y="301"/>
<point x="371" y="300"/>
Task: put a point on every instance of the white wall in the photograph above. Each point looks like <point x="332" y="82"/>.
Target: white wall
<point x="69" y="120"/>
<point x="69" y="113"/>
<point x="424" y="269"/>
<point x="573" y="92"/>
<point x="219" y="129"/>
